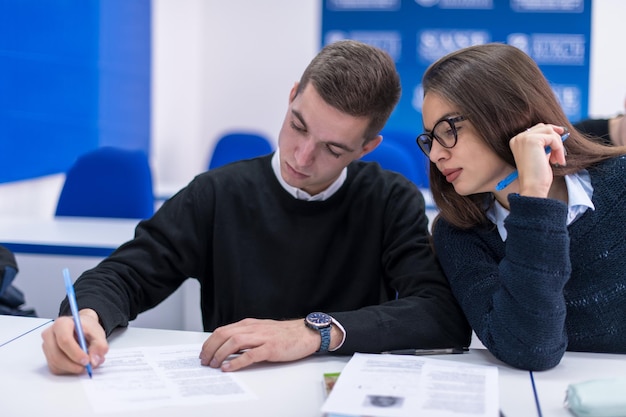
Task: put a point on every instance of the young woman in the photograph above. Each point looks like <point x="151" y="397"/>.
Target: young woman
<point x="537" y="262"/>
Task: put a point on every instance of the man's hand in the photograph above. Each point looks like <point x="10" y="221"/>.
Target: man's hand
<point x="63" y="353"/>
<point x="258" y="340"/>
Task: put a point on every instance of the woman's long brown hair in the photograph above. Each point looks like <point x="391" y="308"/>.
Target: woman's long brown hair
<point x="502" y="92"/>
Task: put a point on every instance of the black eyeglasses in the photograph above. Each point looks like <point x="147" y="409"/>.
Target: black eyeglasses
<point x="444" y="132"/>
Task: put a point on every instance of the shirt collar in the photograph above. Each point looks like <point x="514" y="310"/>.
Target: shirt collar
<point x="301" y="194"/>
<point x="579" y="193"/>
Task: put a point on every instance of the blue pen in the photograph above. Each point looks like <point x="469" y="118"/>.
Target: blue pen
<point x="513" y="175"/>
<point x="71" y="297"/>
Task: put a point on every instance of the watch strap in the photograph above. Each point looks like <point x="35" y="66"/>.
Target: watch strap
<point x="325" y="334"/>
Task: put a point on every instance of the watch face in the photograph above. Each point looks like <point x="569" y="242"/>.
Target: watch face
<point x="318" y="319"/>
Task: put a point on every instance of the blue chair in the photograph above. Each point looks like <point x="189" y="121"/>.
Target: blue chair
<point x="239" y="145"/>
<point x="108" y="182"/>
<point x="393" y="157"/>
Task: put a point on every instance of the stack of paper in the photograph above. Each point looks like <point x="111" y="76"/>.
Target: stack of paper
<point x="403" y="386"/>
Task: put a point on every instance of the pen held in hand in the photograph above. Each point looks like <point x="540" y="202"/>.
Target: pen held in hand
<point x="420" y="352"/>
<point x="513" y="175"/>
<point x="71" y="298"/>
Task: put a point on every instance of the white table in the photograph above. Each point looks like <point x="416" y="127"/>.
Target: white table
<point x="73" y="236"/>
<point x="283" y="389"/>
<point x="13" y="327"/>
<point x="290" y="390"/>
<point x="574" y="367"/>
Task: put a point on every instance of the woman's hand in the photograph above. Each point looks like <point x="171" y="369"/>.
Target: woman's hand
<point x="535" y="151"/>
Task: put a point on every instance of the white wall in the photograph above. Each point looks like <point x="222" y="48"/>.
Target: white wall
<point x="607" y="83"/>
<point x="221" y="65"/>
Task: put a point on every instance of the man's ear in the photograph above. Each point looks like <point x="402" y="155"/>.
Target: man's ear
<point x="293" y="92"/>
<point x="371" y="145"/>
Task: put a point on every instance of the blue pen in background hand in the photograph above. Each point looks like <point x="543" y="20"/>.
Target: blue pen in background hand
<point x="71" y="297"/>
<point x="513" y="175"/>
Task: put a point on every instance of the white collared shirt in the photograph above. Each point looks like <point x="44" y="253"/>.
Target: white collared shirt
<point x="301" y="194"/>
<point x="579" y="192"/>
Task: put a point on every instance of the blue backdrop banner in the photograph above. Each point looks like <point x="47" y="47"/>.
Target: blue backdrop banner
<point x="555" y="33"/>
<point x="74" y="75"/>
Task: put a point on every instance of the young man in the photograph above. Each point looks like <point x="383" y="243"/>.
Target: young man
<point x="307" y="229"/>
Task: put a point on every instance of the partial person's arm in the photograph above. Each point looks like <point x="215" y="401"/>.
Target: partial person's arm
<point x="617" y="130"/>
<point x="136" y="277"/>
<point x="143" y="272"/>
<point x="608" y="131"/>
<point x="425" y="314"/>
<point x="596" y="129"/>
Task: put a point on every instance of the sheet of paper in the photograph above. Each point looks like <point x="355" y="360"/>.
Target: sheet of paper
<point x="150" y="377"/>
<point x="399" y="386"/>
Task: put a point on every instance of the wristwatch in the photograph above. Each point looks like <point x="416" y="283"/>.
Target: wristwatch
<point x="320" y="322"/>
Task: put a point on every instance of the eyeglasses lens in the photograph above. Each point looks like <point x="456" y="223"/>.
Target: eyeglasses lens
<point x="444" y="132"/>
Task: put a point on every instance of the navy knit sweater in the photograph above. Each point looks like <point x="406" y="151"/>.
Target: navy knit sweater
<point x="258" y="252"/>
<point x="549" y="288"/>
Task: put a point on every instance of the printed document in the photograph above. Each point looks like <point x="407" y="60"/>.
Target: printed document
<point x="151" y="377"/>
<point x="405" y="385"/>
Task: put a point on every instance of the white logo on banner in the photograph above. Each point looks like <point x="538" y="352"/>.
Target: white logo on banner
<point x="574" y="6"/>
<point x="457" y="4"/>
<point x="388" y="41"/>
<point x="363" y="5"/>
<point x="433" y="44"/>
<point x="519" y="40"/>
<point x="418" y="98"/>
<point x="569" y="96"/>
<point x="427" y="3"/>
<point x="551" y="48"/>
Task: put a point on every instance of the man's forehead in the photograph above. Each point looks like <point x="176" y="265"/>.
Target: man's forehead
<point x="326" y="122"/>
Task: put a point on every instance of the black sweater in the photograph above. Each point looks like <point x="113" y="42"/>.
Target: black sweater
<point x="258" y="252"/>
